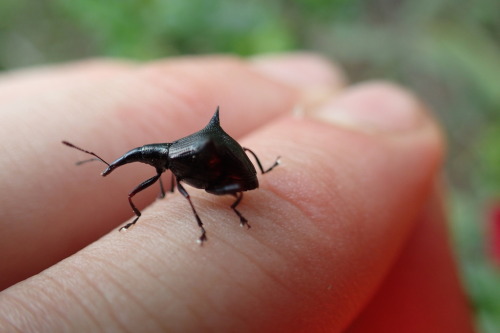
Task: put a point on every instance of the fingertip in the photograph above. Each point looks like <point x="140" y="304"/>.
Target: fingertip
<point x="316" y="77"/>
<point x="304" y="70"/>
<point x="374" y="107"/>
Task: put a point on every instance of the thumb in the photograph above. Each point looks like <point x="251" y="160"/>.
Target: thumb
<point x="356" y="172"/>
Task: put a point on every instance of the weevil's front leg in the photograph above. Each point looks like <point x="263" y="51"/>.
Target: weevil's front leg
<point x="276" y="163"/>
<point x="136" y="190"/>
<point x="183" y="191"/>
<point x="162" y="188"/>
<point x="243" y="220"/>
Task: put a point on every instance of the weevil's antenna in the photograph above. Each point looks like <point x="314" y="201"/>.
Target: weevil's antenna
<point x="85" y="161"/>
<point x="85" y="151"/>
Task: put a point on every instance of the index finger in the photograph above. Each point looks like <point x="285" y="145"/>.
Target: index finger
<point x="54" y="208"/>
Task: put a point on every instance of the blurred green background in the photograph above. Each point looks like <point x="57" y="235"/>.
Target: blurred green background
<point x="447" y="51"/>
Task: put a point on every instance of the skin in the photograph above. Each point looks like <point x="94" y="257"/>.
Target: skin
<point x="347" y="234"/>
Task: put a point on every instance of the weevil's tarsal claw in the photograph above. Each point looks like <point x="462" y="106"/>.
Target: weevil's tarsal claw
<point x="275" y="164"/>
<point x="128" y="225"/>
<point x="243" y="220"/>
<point x="203" y="238"/>
<point x="244" y="223"/>
<point x="125" y="228"/>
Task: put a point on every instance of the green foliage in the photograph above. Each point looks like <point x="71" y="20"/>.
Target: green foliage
<point x="479" y="275"/>
<point x="155" y="28"/>
<point x="488" y="175"/>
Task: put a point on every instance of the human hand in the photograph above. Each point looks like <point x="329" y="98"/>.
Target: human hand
<point x="347" y="234"/>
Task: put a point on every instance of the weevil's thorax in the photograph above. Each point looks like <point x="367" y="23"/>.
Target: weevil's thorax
<point x="210" y="159"/>
<point x="156" y="155"/>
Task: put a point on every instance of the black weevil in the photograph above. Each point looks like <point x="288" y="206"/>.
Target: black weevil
<point x="208" y="159"/>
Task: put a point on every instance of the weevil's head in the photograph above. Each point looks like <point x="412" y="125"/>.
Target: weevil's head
<point x="155" y="154"/>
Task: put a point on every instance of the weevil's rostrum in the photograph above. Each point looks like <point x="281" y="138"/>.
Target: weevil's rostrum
<point x="209" y="159"/>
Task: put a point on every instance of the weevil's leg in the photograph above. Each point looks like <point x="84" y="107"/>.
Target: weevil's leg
<point x="243" y="220"/>
<point x="172" y="183"/>
<point x="183" y="191"/>
<point x="162" y="189"/>
<point x="276" y="163"/>
<point x="136" y="190"/>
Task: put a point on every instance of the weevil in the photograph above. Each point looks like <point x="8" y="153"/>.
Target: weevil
<point x="209" y="159"/>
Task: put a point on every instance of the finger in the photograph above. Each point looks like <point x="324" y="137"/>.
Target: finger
<point x="25" y="84"/>
<point x="305" y="71"/>
<point x="53" y="207"/>
<point x="327" y="226"/>
<point x="422" y="292"/>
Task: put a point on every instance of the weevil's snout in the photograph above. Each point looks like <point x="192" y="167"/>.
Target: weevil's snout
<point x="131" y="156"/>
<point x="108" y="170"/>
<point x="155" y="155"/>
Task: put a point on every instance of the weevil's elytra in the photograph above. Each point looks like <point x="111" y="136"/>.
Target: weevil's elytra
<point x="209" y="159"/>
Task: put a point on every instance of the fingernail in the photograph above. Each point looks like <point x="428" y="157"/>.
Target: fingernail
<point x="302" y="70"/>
<point x="373" y="107"/>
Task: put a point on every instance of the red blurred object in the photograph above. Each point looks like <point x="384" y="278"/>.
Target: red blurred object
<point x="494" y="236"/>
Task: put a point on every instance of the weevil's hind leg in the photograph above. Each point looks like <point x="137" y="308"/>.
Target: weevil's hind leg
<point x="275" y="164"/>
<point x="243" y="220"/>
<point x="183" y="191"/>
<point x="139" y="188"/>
